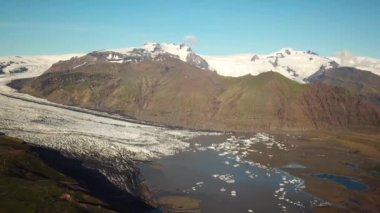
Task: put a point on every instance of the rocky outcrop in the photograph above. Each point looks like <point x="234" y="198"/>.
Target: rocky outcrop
<point x="288" y="52"/>
<point x="197" y="61"/>
<point x="4" y="65"/>
<point x="19" y="70"/>
<point x="254" y="58"/>
<point x="311" y="52"/>
<point x="275" y="62"/>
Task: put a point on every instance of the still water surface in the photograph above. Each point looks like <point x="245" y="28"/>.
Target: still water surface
<point x="214" y="171"/>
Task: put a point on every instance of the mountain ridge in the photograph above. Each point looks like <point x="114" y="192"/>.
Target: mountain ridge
<point x="172" y="92"/>
<point x="294" y="64"/>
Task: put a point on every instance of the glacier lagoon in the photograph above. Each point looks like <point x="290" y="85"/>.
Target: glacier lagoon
<point x="213" y="170"/>
<point x="208" y="166"/>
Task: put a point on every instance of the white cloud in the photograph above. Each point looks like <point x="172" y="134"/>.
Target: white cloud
<point x="190" y="40"/>
<point x="346" y="58"/>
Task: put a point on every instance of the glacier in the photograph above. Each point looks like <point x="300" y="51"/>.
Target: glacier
<point x="108" y="143"/>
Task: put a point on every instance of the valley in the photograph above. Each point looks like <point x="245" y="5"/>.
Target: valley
<point x="168" y="91"/>
<point x="171" y="106"/>
<point x="185" y="139"/>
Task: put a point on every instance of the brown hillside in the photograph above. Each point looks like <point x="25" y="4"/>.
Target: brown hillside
<point x="172" y="92"/>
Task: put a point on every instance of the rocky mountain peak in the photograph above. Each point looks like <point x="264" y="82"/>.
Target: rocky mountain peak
<point x="154" y="51"/>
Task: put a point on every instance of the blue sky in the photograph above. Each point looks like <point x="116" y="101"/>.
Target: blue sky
<point x="29" y="27"/>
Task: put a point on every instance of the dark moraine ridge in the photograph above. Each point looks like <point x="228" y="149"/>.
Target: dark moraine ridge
<point x="91" y="180"/>
<point x="94" y="181"/>
<point x="18" y="83"/>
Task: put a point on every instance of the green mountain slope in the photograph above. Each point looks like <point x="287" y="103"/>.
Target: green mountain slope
<point x="172" y="92"/>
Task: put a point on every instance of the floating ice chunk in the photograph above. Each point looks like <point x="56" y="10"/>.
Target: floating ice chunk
<point x="233" y="193"/>
<point x="200" y="183"/>
<point x="215" y="175"/>
<point x="247" y="172"/>
<point x="227" y="178"/>
<point x="201" y="149"/>
<point x="230" y="181"/>
<point x="193" y="188"/>
<point x="236" y="165"/>
<point x="250" y="210"/>
<point x="223" y="154"/>
<point x="227" y="162"/>
<point x="223" y="189"/>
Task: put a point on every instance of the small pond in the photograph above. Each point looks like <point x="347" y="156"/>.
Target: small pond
<point x="348" y="182"/>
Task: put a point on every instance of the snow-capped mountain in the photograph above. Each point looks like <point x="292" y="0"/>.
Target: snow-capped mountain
<point x="30" y="64"/>
<point x="155" y="51"/>
<point x="296" y="65"/>
<point x="150" y="51"/>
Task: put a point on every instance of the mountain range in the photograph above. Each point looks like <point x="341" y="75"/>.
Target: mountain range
<point x="170" y="84"/>
<point x="293" y="64"/>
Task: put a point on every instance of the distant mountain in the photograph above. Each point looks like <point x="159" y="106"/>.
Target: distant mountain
<point x="159" y="87"/>
<point x="293" y="64"/>
<point x="359" y="82"/>
<point x="32" y="64"/>
<point x="155" y="51"/>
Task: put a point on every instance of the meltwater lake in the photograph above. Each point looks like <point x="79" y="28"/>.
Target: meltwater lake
<point x="347" y="182"/>
<point x="215" y="170"/>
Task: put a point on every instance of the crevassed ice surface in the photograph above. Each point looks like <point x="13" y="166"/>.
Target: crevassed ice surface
<point x="41" y="122"/>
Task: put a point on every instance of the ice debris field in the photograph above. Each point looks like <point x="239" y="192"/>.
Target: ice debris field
<point x="287" y="190"/>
